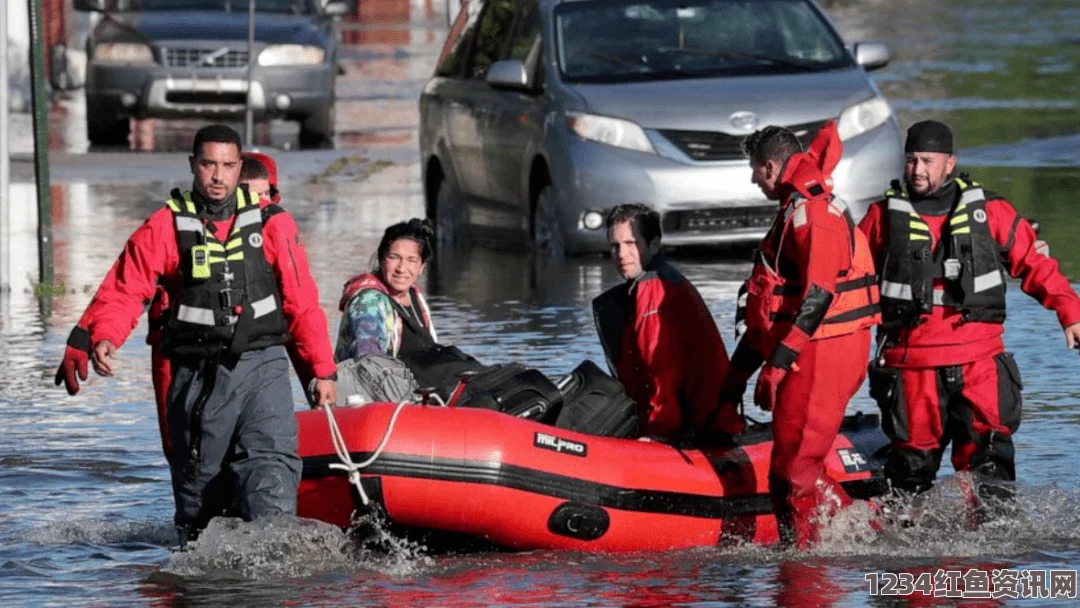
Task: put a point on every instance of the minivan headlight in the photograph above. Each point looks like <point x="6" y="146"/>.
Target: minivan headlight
<point x="123" y="52"/>
<point x="291" y="54"/>
<point x="611" y="131"/>
<point x="862" y="117"/>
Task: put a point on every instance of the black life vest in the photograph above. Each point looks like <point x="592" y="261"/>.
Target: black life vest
<point x="967" y="258"/>
<point x="228" y="298"/>
<point x="415" y="336"/>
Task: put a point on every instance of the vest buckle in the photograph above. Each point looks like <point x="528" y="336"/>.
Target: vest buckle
<point x="230" y="298"/>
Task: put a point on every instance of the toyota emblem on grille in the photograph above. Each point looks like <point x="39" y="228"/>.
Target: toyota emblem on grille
<point x="744" y="121"/>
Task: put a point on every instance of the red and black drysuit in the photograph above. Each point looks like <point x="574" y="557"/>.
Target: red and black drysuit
<point x="664" y="347"/>
<point x="811" y="300"/>
<point x="238" y="287"/>
<point x="943" y="374"/>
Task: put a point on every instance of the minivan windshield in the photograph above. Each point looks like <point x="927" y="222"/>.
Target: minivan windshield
<point x="294" y="7"/>
<point x="638" y="40"/>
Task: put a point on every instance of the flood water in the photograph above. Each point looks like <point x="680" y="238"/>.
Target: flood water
<point x="85" y="501"/>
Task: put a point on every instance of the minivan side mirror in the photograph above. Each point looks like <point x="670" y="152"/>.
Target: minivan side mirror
<point x="872" y="55"/>
<point x="90" y="6"/>
<point x="508" y="74"/>
<point x="335" y="7"/>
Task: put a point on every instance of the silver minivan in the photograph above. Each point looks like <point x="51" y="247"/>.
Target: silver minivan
<point x="543" y="114"/>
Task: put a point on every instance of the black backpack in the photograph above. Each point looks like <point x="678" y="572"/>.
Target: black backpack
<point x="595" y="403"/>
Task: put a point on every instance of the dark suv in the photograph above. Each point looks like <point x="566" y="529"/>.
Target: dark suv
<point x="189" y="59"/>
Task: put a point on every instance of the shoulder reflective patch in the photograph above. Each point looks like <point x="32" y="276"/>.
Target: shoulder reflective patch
<point x="896" y="204"/>
<point x="799" y="218"/>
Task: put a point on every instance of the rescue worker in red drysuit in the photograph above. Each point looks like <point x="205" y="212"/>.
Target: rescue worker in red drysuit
<point x="811" y="300"/>
<point x="659" y="337"/>
<point x="943" y="246"/>
<point x="259" y="173"/>
<point x="229" y="406"/>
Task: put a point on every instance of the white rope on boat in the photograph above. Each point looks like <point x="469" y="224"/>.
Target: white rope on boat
<point x="342" y="449"/>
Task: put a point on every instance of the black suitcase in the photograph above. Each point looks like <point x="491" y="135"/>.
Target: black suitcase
<point x="512" y="389"/>
<point x="595" y="403"/>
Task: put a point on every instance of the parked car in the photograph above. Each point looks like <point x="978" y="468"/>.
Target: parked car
<point x="544" y="114"/>
<point x="189" y="59"/>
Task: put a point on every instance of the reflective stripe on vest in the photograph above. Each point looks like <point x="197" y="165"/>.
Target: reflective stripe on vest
<point x="198" y="316"/>
<point x="263" y="307"/>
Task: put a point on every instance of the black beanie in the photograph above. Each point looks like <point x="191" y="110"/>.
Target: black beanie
<point x="929" y="136"/>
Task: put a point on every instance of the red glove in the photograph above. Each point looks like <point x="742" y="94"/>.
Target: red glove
<point x="768" y="383"/>
<point x="76" y="357"/>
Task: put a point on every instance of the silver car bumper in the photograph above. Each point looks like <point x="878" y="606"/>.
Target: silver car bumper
<point x="195" y="95"/>
<point x="597" y="177"/>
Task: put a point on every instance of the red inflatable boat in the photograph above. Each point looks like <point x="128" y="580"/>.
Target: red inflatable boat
<point x="526" y="485"/>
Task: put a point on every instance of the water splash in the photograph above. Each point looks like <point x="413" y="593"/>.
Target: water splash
<point x="941" y="522"/>
<point x="267" y="548"/>
<point x="286" y="547"/>
<point x="102" y="532"/>
<point x="377" y="546"/>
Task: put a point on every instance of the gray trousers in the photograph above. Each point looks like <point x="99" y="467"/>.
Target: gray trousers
<point x="239" y="452"/>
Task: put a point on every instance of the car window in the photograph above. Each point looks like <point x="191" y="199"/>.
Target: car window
<point x="525" y="31"/>
<point x="613" y="41"/>
<point x="491" y="36"/>
<point x="452" y="59"/>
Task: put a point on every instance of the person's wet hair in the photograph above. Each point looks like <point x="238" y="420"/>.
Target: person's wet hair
<point x="771" y="143"/>
<point x="252" y="169"/>
<point x="416" y="229"/>
<point x="215" y="134"/>
<point x="645" y="219"/>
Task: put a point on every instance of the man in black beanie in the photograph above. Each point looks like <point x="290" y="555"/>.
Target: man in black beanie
<point x="942" y="247"/>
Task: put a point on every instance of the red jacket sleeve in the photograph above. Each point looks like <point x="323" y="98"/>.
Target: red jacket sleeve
<point x="1039" y="274"/>
<point x="873" y="226"/>
<point x="818" y="242"/>
<point x="299" y="295"/>
<point x="149" y="253"/>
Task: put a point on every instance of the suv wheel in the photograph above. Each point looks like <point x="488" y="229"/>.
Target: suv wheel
<point x="317" y="128"/>
<point x="102" y="131"/>
<point x="450" y="214"/>
<point x="546" y="230"/>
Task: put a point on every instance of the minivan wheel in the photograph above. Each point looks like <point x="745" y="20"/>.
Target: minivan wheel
<point x="105" y="131"/>
<point x="317" y="128"/>
<point x="546" y="229"/>
<point x="450" y="214"/>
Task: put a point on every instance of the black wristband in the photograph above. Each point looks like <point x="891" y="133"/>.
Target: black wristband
<point x="332" y="376"/>
<point x="79" y="339"/>
<point x="784" y="356"/>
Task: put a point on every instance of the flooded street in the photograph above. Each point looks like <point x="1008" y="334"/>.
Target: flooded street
<point x="85" y="501"/>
